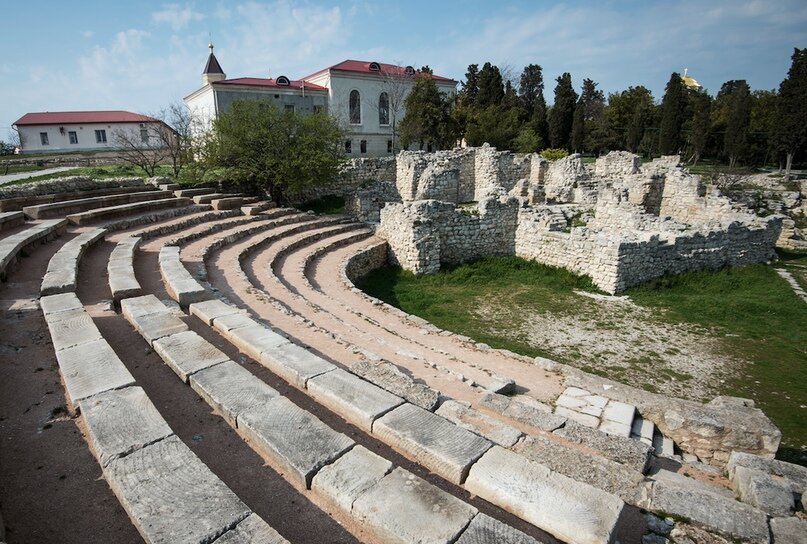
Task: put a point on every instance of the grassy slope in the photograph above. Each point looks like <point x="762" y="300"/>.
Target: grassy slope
<point x="96" y="172"/>
<point x="751" y="310"/>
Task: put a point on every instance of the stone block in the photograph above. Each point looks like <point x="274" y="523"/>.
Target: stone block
<point x="571" y="511"/>
<point x="796" y="475"/>
<point x="187" y="352"/>
<point x="789" y="530"/>
<point x="761" y="490"/>
<point x="345" y="479"/>
<point x="139" y="306"/>
<point x="615" y="428"/>
<point x="91" y="368"/>
<point x="581" y="418"/>
<point x="405" y="509"/>
<point x="631" y="453"/>
<point x="357" y="401"/>
<point x="255" y="340"/>
<point x="386" y="375"/>
<point x="252" y="530"/>
<point x="432" y="441"/>
<point x="230" y="389"/>
<point x="121" y="422"/>
<point x="171" y="496"/>
<point x="619" y="412"/>
<point x="502" y="386"/>
<point x="122" y="281"/>
<point x="534" y="413"/>
<point x="59" y="303"/>
<point x="157" y="325"/>
<point x="233" y="320"/>
<point x="295" y="364"/>
<point x="487" y="530"/>
<point x="71" y="328"/>
<point x="209" y="310"/>
<point x="294" y="440"/>
<point x="486" y="426"/>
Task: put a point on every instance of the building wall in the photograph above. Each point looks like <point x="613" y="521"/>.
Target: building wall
<point x="202" y="105"/>
<point x="59" y="136"/>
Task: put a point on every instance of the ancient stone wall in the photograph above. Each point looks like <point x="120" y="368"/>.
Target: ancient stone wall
<point x="66" y="185"/>
<point x="365" y="203"/>
<point x="353" y="175"/>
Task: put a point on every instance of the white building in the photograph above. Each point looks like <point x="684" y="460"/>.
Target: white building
<point x="64" y="131"/>
<point x="366" y="97"/>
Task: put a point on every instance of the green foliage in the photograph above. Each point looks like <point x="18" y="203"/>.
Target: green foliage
<point x="629" y="113"/>
<point x="700" y="105"/>
<point x="328" y="204"/>
<point x="553" y="154"/>
<point x="562" y="115"/>
<point x="496" y="125"/>
<point x="491" y="87"/>
<point x="470" y="87"/>
<point x="6" y="148"/>
<point x="735" y="140"/>
<point x="791" y="114"/>
<point x="673" y="108"/>
<point x="527" y="141"/>
<point x="260" y="147"/>
<point x="428" y="119"/>
<point x="578" y="126"/>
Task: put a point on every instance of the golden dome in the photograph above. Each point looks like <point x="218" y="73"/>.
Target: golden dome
<point x="690" y="82"/>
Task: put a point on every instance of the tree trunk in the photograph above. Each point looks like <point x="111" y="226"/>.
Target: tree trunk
<point x="788" y="165"/>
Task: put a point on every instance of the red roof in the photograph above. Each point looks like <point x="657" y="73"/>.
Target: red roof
<point x="363" y="67"/>
<point x="81" y="117"/>
<point x="263" y="82"/>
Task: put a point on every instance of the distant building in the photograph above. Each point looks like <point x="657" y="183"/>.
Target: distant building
<point x="62" y="131"/>
<point x="366" y="97"/>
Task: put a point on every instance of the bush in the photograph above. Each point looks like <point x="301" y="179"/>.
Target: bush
<point x="553" y="154"/>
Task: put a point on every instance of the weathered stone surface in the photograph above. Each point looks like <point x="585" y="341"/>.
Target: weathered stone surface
<point x="434" y="442"/>
<point x="532" y="412"/>
<point x="619" y="412"/>
<point x="631" y="453"/>
<point x="405" y="509"/>
<point x="255" y="340"/>
<point x="121" y="422"/>
<point x="233" y="320"/>
<point x="231" y="389"/>
<point x="71" y="328"/>
<point x="171" y="496"/>
<point x="345" y="479"/>
<point x="122" y="281"/>
<point x="796" y="475"/>
<point x="570" y="510"/>
<point x="293" y="439"/>
<point x="386" y="375"/>
<point x="491" y="428"/>
<point x="187" y="352"/>
<point x="157" y="325"/>
<point x="581" y="418"/>
<point x="179" y="283"/>
<point x="63" y="266"/>
<point x="487" y="530"/>
<point x="294" y="363"/>
<point x="59" y="303"/>
<point x="615" y="428"/>
<point x="92" y="368"/>
<point x="602" y="473"/>
<point x="763" y="491"/>
<point x="252" y="530"/>
<point x="209" y="310"/>
<point x="789" y="531"/>
<point x="356" y="400"/>
<point x="707" y="504"/>
<point x="140" y="306"/>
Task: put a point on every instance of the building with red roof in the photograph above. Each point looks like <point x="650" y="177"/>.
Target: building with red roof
<point x="64" y="131"/>
<point x="367" y="98"/>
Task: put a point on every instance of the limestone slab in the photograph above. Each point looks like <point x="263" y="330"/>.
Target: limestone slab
<point x="533" y="413"/>
<point x="158" y="325"/>
<point x="405" y="509"/>
<point x="796" y="475"/>
<point x="140" y="306"/>
<point x="59" y="303"/>
<point x="252" y="530"/>
<point x="570" y="510"/>
<point x="91" y="368"/>
<point x="231" y="389"/>
<point x="236" y="320"/>
<point x="209" y="310"/>
<point x="789" y="530"/>
<point x="356" y="400"/>
<point x="581" y="418"/>
<point x="433" y="441"/>
<point x="623" y="450"/>
<point x="294" y="439"/>
<point x="187" y="352"/>
<point x="122" y="421"/>
<point x="615" y="428"/>
<point x="487" y="530"/>
<point x="489" y="427"/>
<point x="72" y="328"/>
<point x="255" y="340"/>
<point x="619" y="412"/>
<point x="344" y="480"/>
<point x="762" y="491"/>
<point x="387" y="375"/>
<point x="171" y="496"/>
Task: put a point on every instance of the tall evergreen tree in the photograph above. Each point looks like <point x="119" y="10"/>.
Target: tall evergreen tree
<point x="673" y="108"/>
<point x="491" y="87"/>
<point x="428" y="115"/>
<point x="761" y="131"/>
<point x="470" y="87"/>
<point x="578" y="126"/>
<point x="700" y="124"/>
<point x="735" y="140"/>
<point x="791" y="115"/>
<point x="562" y="115"/>
<point x="627" y="116"/>
<point x="587" y="114"/>
<point x="531" y="93"/>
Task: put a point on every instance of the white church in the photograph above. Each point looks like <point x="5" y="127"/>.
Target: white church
<point x="366" y="97"/>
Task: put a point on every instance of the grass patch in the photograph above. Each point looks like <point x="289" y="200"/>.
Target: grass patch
<point x="6" y="169"/>
<point x="328" y="204"/>
<point x="98" y="172"/>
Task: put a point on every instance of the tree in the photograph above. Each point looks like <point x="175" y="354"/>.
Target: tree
<point x="791" y="114"/>
<point x="587" y="114"/>
<point x="531" y="94"/>
<point x="700" y="124"/>
<point x="673" y="111"/>
<point x="395" y="84"/>
<point x="736" y="138"/>
<point x="257" y="145"/>
<point x="562" y="114"/>
<point x="761" y="131"/>
<point x="578" y="126"/>
<point x="629" y="113"/>
<point x="496" y="125"/>
<point x="428" y="120"/>
<point x="491" y="87"/>
<point x="470" y="87"/>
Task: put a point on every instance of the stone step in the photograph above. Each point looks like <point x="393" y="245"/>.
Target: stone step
<point x="61" y="209"/>
<point x="11" y="219"/>
<point x="60" y="276"/>
<point x="112" y="212"/>
<point x="187" y="353"/>
<point x="196" y="191"/>
<point x="169" y="186"/>
<point x="179" y="283"/>
<point x="663" y="446"/>
<point x="120" y="269"/>
<point x="18" y="203"/>
<point x="183" y="223"/>
<point x="227" y="203"/>
<point x="11" y="246"/>
<point x="150" y="217"/>
<point x="643" y="430"/>
<point x="151" y="318"/>
<point x="209" y="197"/>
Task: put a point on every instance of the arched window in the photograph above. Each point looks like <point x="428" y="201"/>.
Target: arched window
<point x="282" y="80"/>
<point x="409" y="70"/>
<point x="383" y="109"/>
<point x="355" y="107"/>
<point x="374" y="67"/>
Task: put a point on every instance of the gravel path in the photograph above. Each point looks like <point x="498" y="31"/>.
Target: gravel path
<point x="8" y="178"/>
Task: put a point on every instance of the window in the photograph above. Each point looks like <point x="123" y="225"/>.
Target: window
<point x="73" y="137"/>
<point x="410" y="71"/>
<point x="374" y="67"/>
<point x="383" y="109"/>
<point x="144" y="135"/>
<point x="355" y="107"/>
<point x="43" y="138"/>
<point x="389" y="146"/>
<point x="282" y="80"/>
<point x="363" y="146"/>
<point x="100" y="136"/>
<point x="348" y="146"/>
<point x="289" y="107"/>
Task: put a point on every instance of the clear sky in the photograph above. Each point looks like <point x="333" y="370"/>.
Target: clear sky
<point x="142" y="55"/>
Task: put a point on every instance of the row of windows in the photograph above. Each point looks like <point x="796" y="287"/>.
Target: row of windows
<point x="355" y="108"/>
<point x="363" y="146"/>
<point x="100" y="137"/>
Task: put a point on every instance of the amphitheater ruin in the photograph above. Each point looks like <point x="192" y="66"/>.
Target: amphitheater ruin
<point x="231" y="383"/>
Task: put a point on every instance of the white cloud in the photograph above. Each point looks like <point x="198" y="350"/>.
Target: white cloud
<point x="177" y="16"/>
<point x="88" y="34"/>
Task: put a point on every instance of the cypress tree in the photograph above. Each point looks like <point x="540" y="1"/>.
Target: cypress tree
<point x="578" y="126"/>
<point x="673" y="107"/>
<point x="470" y="88"/>
<point x="701" y="124"/>
<point x="491" y="86"/>
<point x="791" y="114"/>
<point x="736" y="138"/>
<point x="562" y="114"/>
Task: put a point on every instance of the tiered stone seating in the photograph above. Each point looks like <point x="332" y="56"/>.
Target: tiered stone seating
<point x="178" y="282"/>
<point x="209" y="197"/>
<point x="11" y="246"/>
<point x="110" y="212"/>
<point x="11" y="219"/>
<point x="67" y="207"/>
<point x="18" y="203"/>
<point x="122" y="280"/>
<point x="63" y="266"/>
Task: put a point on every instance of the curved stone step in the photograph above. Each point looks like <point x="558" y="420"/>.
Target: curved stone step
<point x="121" y="210"/>
<point x="13" y="245"/>
<point x="120" y="269"/>
<point x="63" y="208"/>
<point x="179" y="283"/>
<point x="18" y="203"/>
<point x="63" y="266"/>
<point x="11" y="219"/>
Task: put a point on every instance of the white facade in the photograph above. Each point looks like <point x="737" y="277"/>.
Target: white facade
<point x="59" y="138"/>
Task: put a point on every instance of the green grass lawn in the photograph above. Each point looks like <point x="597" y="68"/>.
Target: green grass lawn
<point x="753" y="313"/>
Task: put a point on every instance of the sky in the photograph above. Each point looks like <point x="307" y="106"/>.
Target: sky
<point x="143" y="55"/>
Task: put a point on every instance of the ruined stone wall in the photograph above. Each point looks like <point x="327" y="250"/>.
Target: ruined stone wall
<point x="354" y="174"/>
<point x="499" y="169"/>
<point x="365" y="261"/>
<point x="66" y="185"/>
<point x="443" y="175"/>
<point x="366" y="203"/>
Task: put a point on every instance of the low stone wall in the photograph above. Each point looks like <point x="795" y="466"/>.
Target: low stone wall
<point x="363" y="262"/>
<point x="365" y="204"/>
<point x="66" y="185"/>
